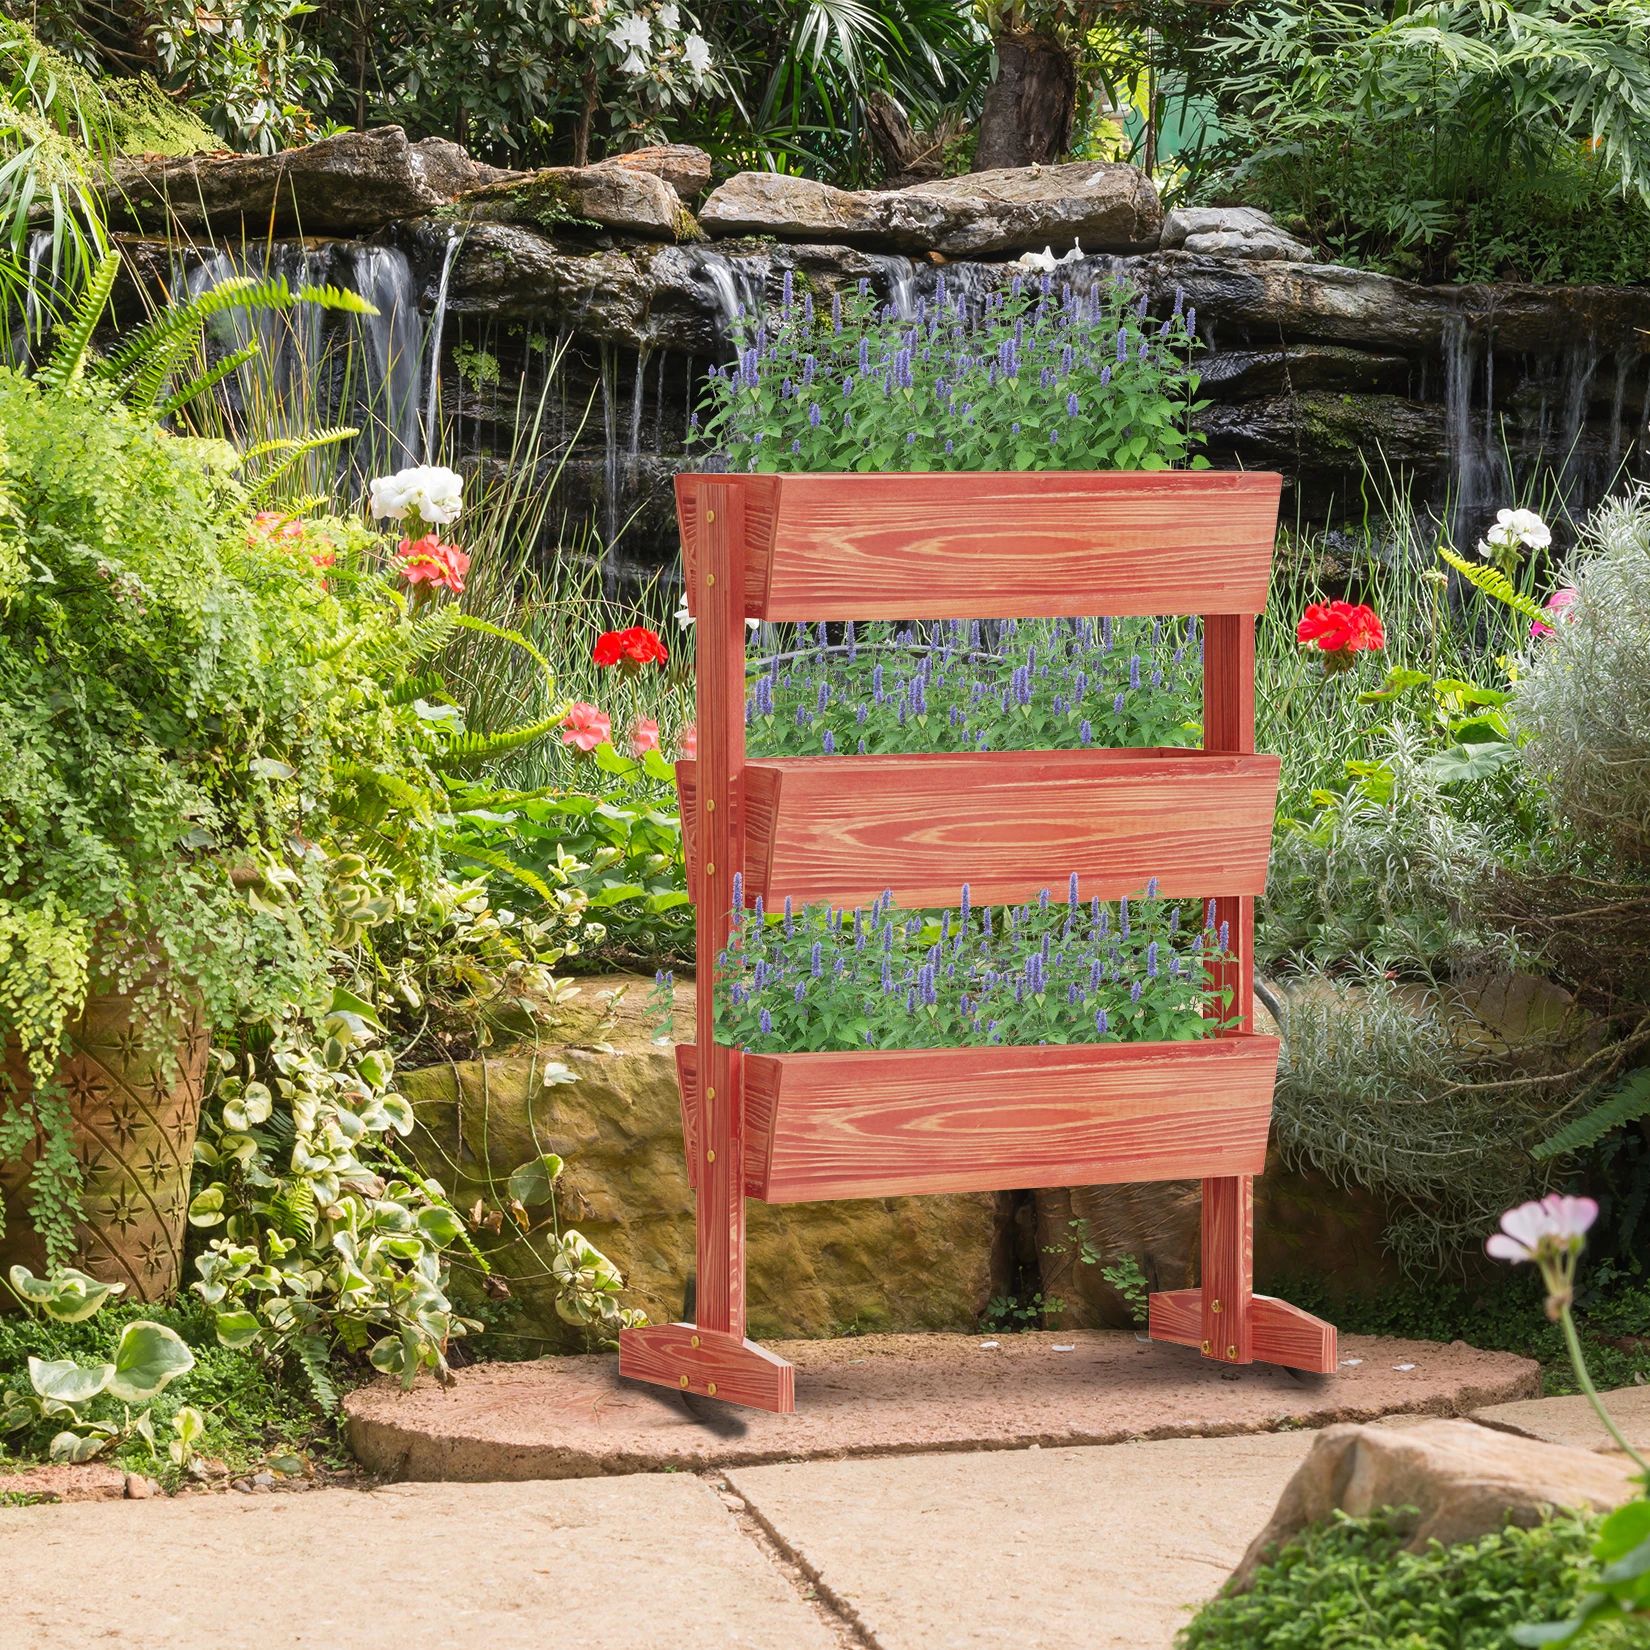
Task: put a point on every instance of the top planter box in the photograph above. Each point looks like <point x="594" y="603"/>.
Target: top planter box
<point x="1049" y="544"/>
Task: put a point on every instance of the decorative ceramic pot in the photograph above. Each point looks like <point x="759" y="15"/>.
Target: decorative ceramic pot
<point x="135" y="1138"/>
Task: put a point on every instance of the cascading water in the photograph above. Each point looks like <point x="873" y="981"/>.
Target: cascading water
<point x="389" y="398"/>
<point x="432" y="410"/>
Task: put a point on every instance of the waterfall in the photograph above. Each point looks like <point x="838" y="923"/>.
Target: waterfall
<point x="33" y="309"/>
<point x="735" y="289"/>
<point x="610" y="470"/>
<point x="432" y="406"/>
<point x="900" y="277"/>
<point x="1475" y="477"/>
<point x="391" y="344"/>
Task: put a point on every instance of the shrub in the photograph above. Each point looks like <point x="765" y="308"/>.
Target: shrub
<point x="1349" y="1583"/>
<point x="1583" y="702"/>
<point x="1042" y="380"/>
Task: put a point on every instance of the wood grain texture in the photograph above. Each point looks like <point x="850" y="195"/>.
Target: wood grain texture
<point x="990" y="1119"/>
<point x="754" y="801"/>
<point x="1008" y="823"/>
<point x="687" y="1085"/>
<point x="761" y="498"/>
<point x="690" y="1359"/>
<point x="1175" y="1315"/>
<point x="1005" y="545"/>
<point x="1284" y="1334"/>
<point x="1228" y="1257"/>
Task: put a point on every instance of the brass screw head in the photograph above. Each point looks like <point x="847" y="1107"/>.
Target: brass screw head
<point x="1231" y="1352"/>
<point x="710" y="1156"/>
<point x="710" y="515"/>
<point x="710" y="1094"/>
<point x="711" y="1389"/>
<point x="710" y="578"/>
<point x="684" y="1380"/>
<point x="694" y="1340"/>
<point x="1215" y="1306"/>
<point x="710" y="870"/>
<point x="1205" y="1349"/>
<point x="710" y="805"/>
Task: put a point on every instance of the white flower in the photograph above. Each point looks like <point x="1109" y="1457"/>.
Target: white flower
<point x="425" y="490"/>
<point x="634" y="34"/>
<point x="1534" y="1231"/>
<point x="1515" y="527"/>
<point x="670" y="18"/>
<point x="697" y="52"/>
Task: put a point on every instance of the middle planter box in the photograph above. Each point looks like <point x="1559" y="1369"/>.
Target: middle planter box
<point x="901" y="1123"/>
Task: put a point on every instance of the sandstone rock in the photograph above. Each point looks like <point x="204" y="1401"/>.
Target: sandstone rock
<point x="1231" y="232"/>
<point x="631" y="200"/>
<point x="885" y="1264"/>
<point x="684" y="168"/>
<point x="1462" y="1480"/>
<point x="91" y="1481"/>
<point x="139" y="1488"/>
<point x="1108" y="206"/>
<point x="1111" y="206"/>
<point x="350" y="184"/>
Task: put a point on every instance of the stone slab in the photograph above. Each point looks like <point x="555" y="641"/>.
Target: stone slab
<point x="1573" y="1420"/>
<point x="1038" y="1549"/>
<point x="605" y="1565"/>
<point x="900" y="1394"/>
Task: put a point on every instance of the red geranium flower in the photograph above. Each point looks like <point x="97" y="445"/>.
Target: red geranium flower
<point x="429" y="561"/>
<point x="629" y="649"/>
<point x="1340" y="630"/>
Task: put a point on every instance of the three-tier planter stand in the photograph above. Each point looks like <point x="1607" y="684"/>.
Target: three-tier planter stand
<point x="795" y="1128"/>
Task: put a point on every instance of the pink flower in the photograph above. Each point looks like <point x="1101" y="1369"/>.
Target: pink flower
<point x="429" y="561"/>
<point x="586" y="727"/>
<point x="1558" y="605"/>
<point x="644" y="736"/>
<point x="690" y="742"/>
<point x="1534" y="1230"/>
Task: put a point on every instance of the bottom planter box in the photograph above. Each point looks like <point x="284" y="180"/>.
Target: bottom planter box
<point x="876" y="1124"/>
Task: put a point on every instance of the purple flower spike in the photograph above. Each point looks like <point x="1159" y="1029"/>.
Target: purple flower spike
<point x="1071" y="893"/>
<point x="767" y="1023"/>
<point x="813" y="416"/>
<point x="1105" y="376"/>
<point x="1225" y="935"/>
<point x="790" y="920"/>
<point x="1151" y="888"/>
<point x="817" y="964"/>
<point x="1071" y="405"/>
<point x="1122" y="344"/>
<point x="1085" y="732"/>
<point x="1101" y="1023"/>
<point x="828" y="740"/>
<point x="1134" y="992"/>
<point x="1151" y="961"/>
<point x="738" y="894"/>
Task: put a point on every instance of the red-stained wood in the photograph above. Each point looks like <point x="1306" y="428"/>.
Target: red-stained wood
<point x="687" y="1085"/>
<point x="885" y="1124"/>
<point x="1176" y="1315"/>
<point x="1006" y="545"/>
<point x="720" y="527"/>
<point x="1284" y="1334"/>
<point x="1008" y="823"/>
<point x="1228" y="1255"/>
<point x="1279" y="1333"/>
<point x="711" y="1365"/>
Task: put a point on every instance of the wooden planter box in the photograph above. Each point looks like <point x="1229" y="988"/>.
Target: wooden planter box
<point x="801" y="1127"/>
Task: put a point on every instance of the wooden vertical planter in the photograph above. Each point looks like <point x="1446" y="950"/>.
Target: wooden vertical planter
<point x="803" y="1127"/>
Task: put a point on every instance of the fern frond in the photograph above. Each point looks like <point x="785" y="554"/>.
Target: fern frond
<point x="1629" y="1102"/>
<point x="68" y="360"/>
<point x="466" y="748"/>
<point x="325" y="438"/>
<point x="198" y="387"/>
<point x="428" y="686"/>
<point x="501" y="863"/>
<point x="466" y="621"/>
<point x="312" y="1354"/>
<point x="189" y="319"/>
<point x="335" y="297"/>
<point x="1493" y="582"/>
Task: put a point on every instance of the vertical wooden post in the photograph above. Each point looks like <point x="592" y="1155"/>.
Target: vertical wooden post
<point x="1228" y="1236"/>
<point x="720" y="604"/>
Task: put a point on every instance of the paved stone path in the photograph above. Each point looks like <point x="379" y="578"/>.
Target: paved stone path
<point x="935" y="1548"/>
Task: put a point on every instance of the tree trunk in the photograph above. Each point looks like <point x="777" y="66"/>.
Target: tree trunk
<point x="1029" y="107"/>
<point x="581" y="131"/>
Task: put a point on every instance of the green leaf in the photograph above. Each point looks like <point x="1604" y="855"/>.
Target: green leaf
<point x="206" y="1207"/>
<point x="67" y="1382"/>
<point x="534" y="1183"/>
<point x="1494" y="583"/>
<point x="148" y="1358"/>
<point x="1463" y="762"/>
<point x="237" y="1329"/>
<point x="70" y="1447"/>
<point x="656" y="766"/>
<point x="68" y="1296"/>
<point x="440" y="1225"/>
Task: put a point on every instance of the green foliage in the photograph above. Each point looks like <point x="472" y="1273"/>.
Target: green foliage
<point x="1629" y="1101"/>
<point x="1349" y="1582"/>
<point x="1125" y="1276"/>
<point x="1047" y="972"/>
<point x="1444" y="138"/>
<point x="1053" y="684"/>
<point x="1046" y="380"/>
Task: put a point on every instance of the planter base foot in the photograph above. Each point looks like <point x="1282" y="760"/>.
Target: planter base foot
<point x="1278" y="1332"/>
<point x="708" y="1363"/>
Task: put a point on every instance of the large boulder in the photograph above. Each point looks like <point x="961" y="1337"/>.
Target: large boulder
<point x="629" y="199"/>
<point x="1110" y="206"/>
<point x="351" y="184"/>
<point x="1231" y="232"/>
<point x="685" y="168"/>
<point x="1453" y="1481"/>
<point x="812" y="1269"/>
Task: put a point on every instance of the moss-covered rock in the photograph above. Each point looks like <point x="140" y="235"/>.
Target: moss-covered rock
<point x="815" y="1269"/>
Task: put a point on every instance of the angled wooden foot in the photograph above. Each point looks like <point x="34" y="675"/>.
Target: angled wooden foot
<point x="1278" y="1333"/>
<point x="714" y="1365"/>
